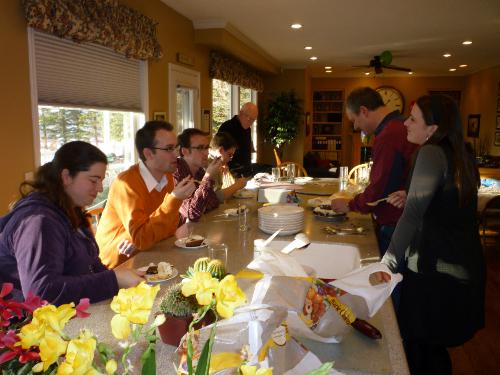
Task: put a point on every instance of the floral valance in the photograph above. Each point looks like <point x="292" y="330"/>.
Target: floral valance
<point x="103" y="22"/>
<point x="235" y="72"/>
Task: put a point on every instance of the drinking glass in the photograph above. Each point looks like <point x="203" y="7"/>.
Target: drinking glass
<point x="218" y="251"/>
<point x="242" y="219"/>
<point x="290" y="171"/>
<point x="276" y="174"/>
<point x="343" y="173"/>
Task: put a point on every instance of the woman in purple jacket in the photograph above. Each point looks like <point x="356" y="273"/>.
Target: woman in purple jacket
<point x="46" y="244"/>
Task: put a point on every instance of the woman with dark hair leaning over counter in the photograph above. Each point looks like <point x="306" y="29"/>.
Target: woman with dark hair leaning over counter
<point x="442" y="293"/>
<point x="46" y="243"/>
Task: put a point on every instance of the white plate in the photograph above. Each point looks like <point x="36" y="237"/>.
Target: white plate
<point x="233" y="211"/>
<point x="282" y="233"/>
<point x="302" y="180"/>
<point x="181" y="242"/>
<point x="244" y="194"/>
<point x="337" y="217"/>
<point x="280" y="210"/>
<point x="172" y="275"/>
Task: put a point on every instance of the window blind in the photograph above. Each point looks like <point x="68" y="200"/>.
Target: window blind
<point x="85" y="75"/>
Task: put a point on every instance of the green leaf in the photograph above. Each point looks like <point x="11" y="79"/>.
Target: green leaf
<point x="148" y="360"/>
<point x="26" y="369"/>
<point x="323" y="370"/>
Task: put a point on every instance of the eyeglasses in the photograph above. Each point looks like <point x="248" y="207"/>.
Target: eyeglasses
<point x="169" y="148"/>
<point x="200" y="147"/>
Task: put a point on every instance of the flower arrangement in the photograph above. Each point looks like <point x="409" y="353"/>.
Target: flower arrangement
<point x="32" y="338"/>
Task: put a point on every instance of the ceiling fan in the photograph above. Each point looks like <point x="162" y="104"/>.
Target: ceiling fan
<point x="382" y="61"/>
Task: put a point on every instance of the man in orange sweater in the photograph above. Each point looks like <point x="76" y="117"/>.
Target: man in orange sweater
<point x="143" y="205"/>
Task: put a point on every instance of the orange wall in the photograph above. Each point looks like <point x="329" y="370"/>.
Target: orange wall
<point x="16" y="131"/>
<point x="482" y="92"/>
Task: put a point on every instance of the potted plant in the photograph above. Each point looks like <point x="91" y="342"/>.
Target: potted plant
<point x="283" y="117"/>
<point x="178" y="311"/>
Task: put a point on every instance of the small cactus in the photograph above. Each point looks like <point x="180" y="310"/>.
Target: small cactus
<point x="201" y="264"/>
<point x="216" y="269"/>
<point x="176" y="304"/>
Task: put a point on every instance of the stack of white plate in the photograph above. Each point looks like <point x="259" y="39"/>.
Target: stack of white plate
<point x="288" y="217"/>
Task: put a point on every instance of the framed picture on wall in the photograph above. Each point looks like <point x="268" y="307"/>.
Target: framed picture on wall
<point x="473" y="126"/>
<point x="160" y="116"/>
<point x="497" y="139"/>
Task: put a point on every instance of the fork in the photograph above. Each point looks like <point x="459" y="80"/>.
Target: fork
<point x="377" y="201"/>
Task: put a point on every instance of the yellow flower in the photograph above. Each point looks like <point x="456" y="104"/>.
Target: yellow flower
<point x="111" y="366"/>
<point x="31" y="334"/>
<point x="120" y="327"/>
<point x="221" y="361"/>
<point x="79" y="356"/>
<point x="203" y="285"/>
<point x="252" y="370"/>
<point x="229" y="296"/>
<point x="135" y="303"/>
<point x="55" y="317"/>
<point x="52" y="346"/>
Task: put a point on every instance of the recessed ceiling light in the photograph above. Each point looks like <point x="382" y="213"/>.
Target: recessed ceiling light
<point x="296" y="26"/>
<point x="452" y="69"/>
<point x="308" y="48"/>
<point x="313" y="58"/>
<point x="410" y="73"/>
<point x="463" y="66"/>
<point x="466" y="42"/>
<point x="367" y="73"/>
<point x="328" y="67"/>
<point x="447" y="55"/>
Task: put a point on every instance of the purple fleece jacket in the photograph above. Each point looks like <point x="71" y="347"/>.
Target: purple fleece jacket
<point x="41" y="252"/>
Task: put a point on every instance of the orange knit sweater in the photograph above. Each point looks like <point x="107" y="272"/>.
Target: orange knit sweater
<point x="132" y="213"/>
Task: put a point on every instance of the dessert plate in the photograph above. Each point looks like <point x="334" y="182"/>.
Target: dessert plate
<point x="181" y="242"/>
<point x="154" y="279"/>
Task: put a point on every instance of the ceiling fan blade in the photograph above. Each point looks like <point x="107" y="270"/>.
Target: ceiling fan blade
<point x="394" y="67"/>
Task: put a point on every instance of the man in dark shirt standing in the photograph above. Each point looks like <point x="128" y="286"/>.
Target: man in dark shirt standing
<point x="239" y="127"/>
<point x="392" y="155"/>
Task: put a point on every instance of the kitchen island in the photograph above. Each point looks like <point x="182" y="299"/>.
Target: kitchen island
<point x="356" y="354"/>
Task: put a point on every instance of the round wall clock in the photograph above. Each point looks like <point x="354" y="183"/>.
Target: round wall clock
<point x="393" y="99"/>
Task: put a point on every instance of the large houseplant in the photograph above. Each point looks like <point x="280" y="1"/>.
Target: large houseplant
<point x="283" y="118"/>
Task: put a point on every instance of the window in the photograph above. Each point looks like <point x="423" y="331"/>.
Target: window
<point x="226" y="102"/>
<point x="185" y="108"/>
<point x="113" y="132"/>
<point x="86" y="92"/>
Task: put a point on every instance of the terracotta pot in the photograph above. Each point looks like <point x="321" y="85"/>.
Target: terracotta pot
<point x="175" y="327"/>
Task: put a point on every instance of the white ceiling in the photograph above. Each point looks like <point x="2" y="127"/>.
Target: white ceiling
<point x="349" y="32"/>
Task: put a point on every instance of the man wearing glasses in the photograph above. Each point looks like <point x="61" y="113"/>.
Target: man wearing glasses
<point x="239" y="127"/>
<point x="193" y="164"/>
<point x="142" y="206"/>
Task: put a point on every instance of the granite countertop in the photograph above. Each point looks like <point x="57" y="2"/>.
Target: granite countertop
<point x="356" y="354"/>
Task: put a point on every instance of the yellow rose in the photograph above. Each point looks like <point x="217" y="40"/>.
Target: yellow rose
<point x="135" y="303"/>
<point x="55" y="317"/>
<point x="79" y="355"/>
<point x="52" y="346"/>
<point x="31" y="334"/>
<point x="203" y="285"/>
<point x="120" y="327"/>
<point x="221" y="361"/>
<point x="111" y="366"/>
<point x="229" y="296"/>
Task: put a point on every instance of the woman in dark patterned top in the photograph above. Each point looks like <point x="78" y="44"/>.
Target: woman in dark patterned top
<point x="437" y="237"/>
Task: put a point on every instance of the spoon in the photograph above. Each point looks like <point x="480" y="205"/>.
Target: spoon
<point x="271" y="237"/>
<point x="377" y="202"/>
<point x="300" y="241"/>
